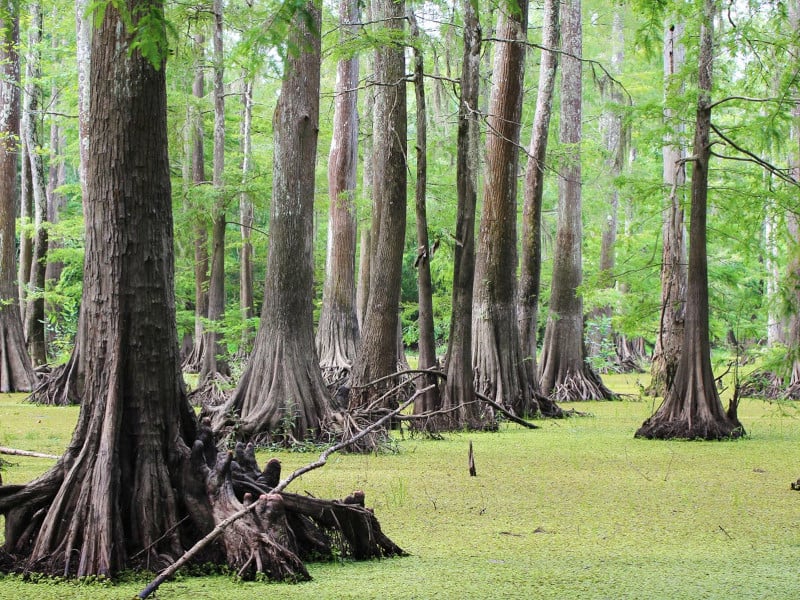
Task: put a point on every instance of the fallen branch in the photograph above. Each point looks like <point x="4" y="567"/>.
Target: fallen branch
<point x="323" y="458"/>
<point x="15" y="452"/>
<point x="510" y="416"/>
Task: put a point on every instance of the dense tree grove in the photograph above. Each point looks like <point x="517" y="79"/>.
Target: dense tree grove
<point x="256" y="194"/>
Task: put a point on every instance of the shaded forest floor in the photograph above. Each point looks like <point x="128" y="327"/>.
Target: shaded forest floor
<point x="578" y="508"/>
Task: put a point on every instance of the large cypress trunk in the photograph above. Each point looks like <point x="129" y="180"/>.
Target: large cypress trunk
<point x="692" y="407"/>
<point x="337" y="333"/>
<point x="496" y="357"/>
<point x="378" y="353"/>
<point x="16" y="373"/>
<point x="565" y="375"/>
<point x="673" y="262"/>
<point x="281" y="392"/>
<point x="458" y="399"/>
<point x="117" y="489"/>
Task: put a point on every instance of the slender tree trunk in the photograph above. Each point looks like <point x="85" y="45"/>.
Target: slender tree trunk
<point x="429" y="401"/>
<point x="565" y="374"/>
<point x="601" y="338"/>
<point x="459" y="401"/>
<point x="337" y="332"/>
<point x="194" y="361"/>
<point x="531" y="262"/>
<point x="16" y="373"/>
<point x="673" y="262"/>
<point x="793" y="389"/>
<point x="281" y="394"/>
<point x="377" y="355"/>
<point x="692" y="408"/>
<point x="246" y="216"/>
<point x="213" y="359"/>
<point x="34" y="313"/>
<point x="26" y="219"/>
<point x="499" y="367"/>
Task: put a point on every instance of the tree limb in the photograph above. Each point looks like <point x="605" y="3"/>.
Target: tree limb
<point x="15" y="452"/>
<point x="214" y="533"/>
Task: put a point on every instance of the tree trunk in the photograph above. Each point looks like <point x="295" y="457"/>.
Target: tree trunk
<point x="16" y="373"/>
<point x="377" y="354"/>
<point x="428" y="401"/>
<point x="673" y="262"/>
<point x="34" y="313"/>
<point x="193" y="362"/>
<point x="692" y="408"/>
<point x="281" y="395"/>
<point x="793" y="389"/>
<point x="531" y="262"/>
<point x="565" y="375"/>
<point x="458" y="400"/>
<point x="601" y="343"/>
<point x="129" y="492"/>
<point x="499" y="367"/>
<point x="118" y="488"/>
<point x="246" y="216"/>
<point x="213" y="357"/>
<point x="337" y="332"/>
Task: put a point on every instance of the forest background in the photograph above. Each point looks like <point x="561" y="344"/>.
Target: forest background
<point x="749" y="245"/>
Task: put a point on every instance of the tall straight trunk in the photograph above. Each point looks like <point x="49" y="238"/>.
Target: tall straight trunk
<point x="34" y="313"/>
<point x="26" y="218"/>
<point x="565" y="374"/>
<point x="281" y="394"/>
<point x="246" y="301"/>
<point x="499" y="367"/>
<point x="692" y="408"/>
<point x="793" y="389"/>
<point x="16" y="373"/>
<point x="531" y="261"/>
<point x="213" y="360"/>
<point x="378" y="353"/>
<point x="83" y="45"/>
<point x="601" y="337"/>
<point x="337" y="332"/>
<point x="56" y="203"/>
<point x="673" y="257"/>
<point x="458" y="399"/>
<point x="193" y="362"/>
<point x="429" y="401"/>
<point x="365" y="241"/>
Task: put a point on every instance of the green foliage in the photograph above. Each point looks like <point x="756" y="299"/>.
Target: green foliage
<point x="643" y="517"/>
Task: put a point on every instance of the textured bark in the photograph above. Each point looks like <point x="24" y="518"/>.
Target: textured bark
<point x="378" y="353"/>
<point x="499" y="366"/>
<point x="565" y="375"/>
<point x="129" y="492"/>
<point x="34" y="313"/>
<point x="673" y="256"/>
<point x="337" y="332"/>
<point x="428" y="401"/>
<point x="458" y="399"/>
<point x="531" y="261"/>
<point x="16" y="373"/>
<point x="118" y="488"/>
<point x="281" y="395"/>
<point x="692" y="408"/>
<point x="213" y="356"/>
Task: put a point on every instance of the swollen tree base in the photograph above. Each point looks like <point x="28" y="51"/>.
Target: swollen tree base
<point x="272" y="540"/>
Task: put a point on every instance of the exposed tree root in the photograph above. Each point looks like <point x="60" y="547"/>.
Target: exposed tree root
<point x="60" y="387"/>
<point x="763" y="384"/>
<point x="681" y="429"/>
<point x="580" y="386"/>
<point x="213" y="391"/>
